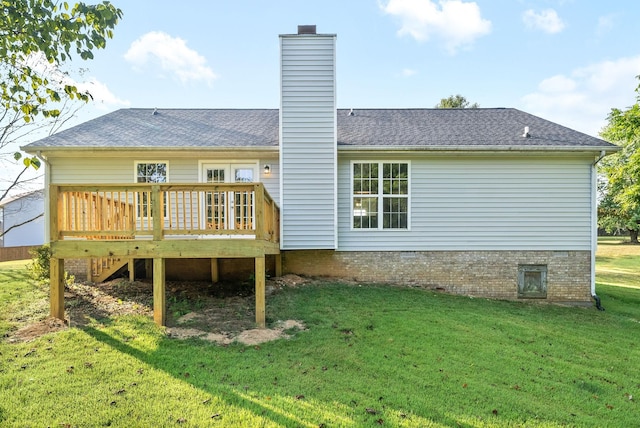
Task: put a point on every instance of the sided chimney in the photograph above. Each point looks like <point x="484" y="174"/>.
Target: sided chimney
<point x="308" y="150"/>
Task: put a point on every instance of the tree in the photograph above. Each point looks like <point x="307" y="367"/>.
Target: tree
<point x="456" y="101"/>
<point x="38" y="40"/>
<point x="619" y="206"/>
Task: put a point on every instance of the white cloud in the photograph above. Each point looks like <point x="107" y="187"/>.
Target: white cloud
<point x="547" y="21"/>
<point x="172" y="55"/>
<point x="100" y="93"/>
<point x="103" y="98"/>
<point x="557" y="84"/>
<point x="456" y="22"/>
<point x="583" y="99"/>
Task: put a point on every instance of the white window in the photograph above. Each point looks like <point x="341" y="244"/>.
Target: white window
<point x="380" y="197"/>
<point x="150" y="172"/>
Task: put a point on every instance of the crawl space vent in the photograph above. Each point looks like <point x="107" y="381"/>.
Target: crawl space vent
<point x="532" y="281"/>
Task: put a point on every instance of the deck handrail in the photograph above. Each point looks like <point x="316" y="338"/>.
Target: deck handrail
<point x="160" y="210"/>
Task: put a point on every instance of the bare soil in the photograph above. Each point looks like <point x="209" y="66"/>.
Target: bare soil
<point x="223" y="312"/>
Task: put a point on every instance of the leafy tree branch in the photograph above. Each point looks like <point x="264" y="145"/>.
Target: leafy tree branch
<point x="619" y="207"/>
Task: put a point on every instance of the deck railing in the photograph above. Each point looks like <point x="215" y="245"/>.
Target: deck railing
<point x="161" y="211"/>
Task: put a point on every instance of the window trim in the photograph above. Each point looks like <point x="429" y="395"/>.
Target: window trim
<point x="380" y="195"/>
<point x="228" y="166"/>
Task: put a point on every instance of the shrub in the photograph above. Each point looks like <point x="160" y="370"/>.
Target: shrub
<point x="39" y="269"/>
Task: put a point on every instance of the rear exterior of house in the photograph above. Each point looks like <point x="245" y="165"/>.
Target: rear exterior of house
<point x="468" y="201"/>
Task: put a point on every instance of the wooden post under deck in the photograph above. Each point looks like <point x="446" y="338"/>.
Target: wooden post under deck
<point x="215" y="274"/>
<point x="260" y="292"/>
<point x="278" y="271"/>
<point x="148" y="268"/>
<point x="159" y="292"/>
<point x="56" y="281"/>
<point x="132" y="270"/>
<point x="89" y="269"/>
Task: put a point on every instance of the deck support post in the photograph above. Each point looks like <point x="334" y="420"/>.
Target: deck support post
<point x="56" y="284"/>
<point x="159" y="292"/>
<point x="215" y="273"/>
<point x="131" y="265"/>
<point x="148" y="268"/>
<point x="90" y="269"/>
<point x="260" y="291"/>
<point x="278" y="267"/>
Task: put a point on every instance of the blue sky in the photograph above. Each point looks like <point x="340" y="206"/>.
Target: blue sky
<point x="569" y="61"/>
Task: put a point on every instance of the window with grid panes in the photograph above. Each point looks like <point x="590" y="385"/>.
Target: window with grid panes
<point x="380" y="195"/>
<point x="149" y="172"/>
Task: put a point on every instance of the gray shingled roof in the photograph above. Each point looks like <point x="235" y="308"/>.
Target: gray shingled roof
<point x="367" y="128"/>
<point x="136" y="128"/>
<point x="501" y="127"/>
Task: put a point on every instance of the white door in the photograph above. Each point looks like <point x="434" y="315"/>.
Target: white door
<point x="229" y="210"/>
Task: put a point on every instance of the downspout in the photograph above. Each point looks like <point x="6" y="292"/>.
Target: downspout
<point x="594" y="228"/>
<point x="47" y="181"/>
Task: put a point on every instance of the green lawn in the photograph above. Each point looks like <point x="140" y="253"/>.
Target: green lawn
<point x="372" y="355"/>
<point x="20" y="299"/>
<point x="617" y="263"/>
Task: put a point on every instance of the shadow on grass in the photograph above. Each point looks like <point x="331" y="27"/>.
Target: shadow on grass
<point x="12" y="275"/>
<point x="167" y="353"/>
<point x="246" y="388"/>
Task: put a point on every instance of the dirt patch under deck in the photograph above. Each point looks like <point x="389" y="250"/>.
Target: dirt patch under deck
<point x="221" y="313"/>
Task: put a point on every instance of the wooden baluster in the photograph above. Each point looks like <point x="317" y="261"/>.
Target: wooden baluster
<point x="259" y="202"/>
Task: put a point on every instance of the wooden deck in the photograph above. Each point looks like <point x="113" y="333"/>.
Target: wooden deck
<point x="111" y="223"/>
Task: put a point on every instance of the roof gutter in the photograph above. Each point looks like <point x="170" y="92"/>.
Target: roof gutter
<point x="490" y="148"/>
<point x="603" y="153"/>
<point x="123" y="150"/>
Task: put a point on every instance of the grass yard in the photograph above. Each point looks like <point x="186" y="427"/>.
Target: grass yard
<point x="618" y="263"/>
<point x="20" y="299"/>
<point x="371" y="356"/>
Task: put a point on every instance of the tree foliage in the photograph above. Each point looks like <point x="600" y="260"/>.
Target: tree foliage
<point x="38" y="33"/>
<point x="619" y="207"/>
<point x="456" y="101"/>
<point x="37" y="39"/>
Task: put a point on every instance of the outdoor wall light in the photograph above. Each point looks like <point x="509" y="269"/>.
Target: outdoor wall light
<point x="267" y="169"/>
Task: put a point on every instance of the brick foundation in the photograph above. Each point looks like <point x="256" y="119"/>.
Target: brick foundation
<point x="492" y="274"/>
<point x="77" y="268"/>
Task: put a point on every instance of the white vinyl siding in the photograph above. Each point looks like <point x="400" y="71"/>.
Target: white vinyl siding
<point x="308" y="142"/>
<point x="495" y="202"/>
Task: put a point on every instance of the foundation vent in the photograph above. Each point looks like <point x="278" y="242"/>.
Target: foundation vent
<point x="532" y="281"/>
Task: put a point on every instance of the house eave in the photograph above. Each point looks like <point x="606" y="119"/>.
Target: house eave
<point x="180" y="152"/>
<point x="274" y="150"/>
<point x="480" y="149"/>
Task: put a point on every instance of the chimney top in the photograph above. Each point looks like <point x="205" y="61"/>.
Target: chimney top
<point x="306" y="29"/>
